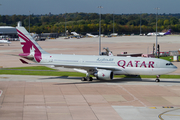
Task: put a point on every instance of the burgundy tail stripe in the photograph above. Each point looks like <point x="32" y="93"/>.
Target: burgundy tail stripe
<point x="23" y="35"/>
<point x="29" y="40"/>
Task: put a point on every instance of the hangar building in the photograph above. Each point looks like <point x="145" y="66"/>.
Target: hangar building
<point x="8" y="32"/>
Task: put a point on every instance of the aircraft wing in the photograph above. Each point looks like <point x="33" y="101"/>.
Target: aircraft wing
<point x="88" y="67"/>
<point x="85" y="67"/>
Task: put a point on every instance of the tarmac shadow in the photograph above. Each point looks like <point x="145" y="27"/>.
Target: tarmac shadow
<point x="120" y="80"/>
<point x="77" y="80"/>
<point x="62" y="77"/>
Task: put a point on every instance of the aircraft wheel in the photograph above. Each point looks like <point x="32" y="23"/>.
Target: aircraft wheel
<point x="157" y="80"/>
<point x="89" y="79"/>
<point x="83" y="79"/>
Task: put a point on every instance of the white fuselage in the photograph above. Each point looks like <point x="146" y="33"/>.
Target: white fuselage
<point x="4" y="42"/>
<point x="120" y="65"/>
<point x="90" y="35"/>
<point x="75" y="34"/>
<point x="158" y="34"/>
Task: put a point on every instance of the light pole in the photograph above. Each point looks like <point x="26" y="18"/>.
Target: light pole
<point x="100" y="29"/>
<point x="140" y="23"/>
<point x="29" y="21"/>
<point x="65" y="24"/>
<point x="113" y="22"/>
<point x="0" y="4"/>
<point x="156" y="27"/>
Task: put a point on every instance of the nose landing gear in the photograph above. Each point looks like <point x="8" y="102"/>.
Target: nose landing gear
<point x="157" y="78"/>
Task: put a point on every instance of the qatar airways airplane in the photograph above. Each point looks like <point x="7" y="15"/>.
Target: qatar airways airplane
<point x="102" y="67"/>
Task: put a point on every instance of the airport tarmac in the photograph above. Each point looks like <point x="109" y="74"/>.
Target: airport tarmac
<point x="67" y="98"/>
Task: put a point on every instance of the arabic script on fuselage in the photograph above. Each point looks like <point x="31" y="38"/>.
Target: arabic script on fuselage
<point x="105" y="59"/>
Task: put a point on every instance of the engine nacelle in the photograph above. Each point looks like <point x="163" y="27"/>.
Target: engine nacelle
<point x="104" y="75"/>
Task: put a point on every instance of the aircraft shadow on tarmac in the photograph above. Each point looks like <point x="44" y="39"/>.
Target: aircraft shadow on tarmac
<point x="61" y="77"/>
<point x="116" y="80"/>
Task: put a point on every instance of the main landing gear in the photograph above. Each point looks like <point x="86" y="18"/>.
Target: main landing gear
<point x="157" y="78"/>
<point x="87" y="79"/>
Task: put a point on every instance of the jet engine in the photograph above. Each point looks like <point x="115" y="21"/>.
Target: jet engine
<point x="104" y="75"/>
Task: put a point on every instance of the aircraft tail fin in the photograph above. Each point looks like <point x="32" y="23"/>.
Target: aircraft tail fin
<point x="168" y="32"/>
<point x="30" y="47"/>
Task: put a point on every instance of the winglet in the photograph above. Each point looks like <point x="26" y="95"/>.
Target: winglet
<point x="23" y="61"/>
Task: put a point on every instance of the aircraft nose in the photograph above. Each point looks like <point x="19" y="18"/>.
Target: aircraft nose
<point x="174" y="68"/>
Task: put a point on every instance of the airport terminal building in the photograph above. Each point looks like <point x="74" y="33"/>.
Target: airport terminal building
<point x="7" y="32"/>
<point x="10" y="33"/>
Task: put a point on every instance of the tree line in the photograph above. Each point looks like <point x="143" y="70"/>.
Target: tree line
<point x="89" y="22"/>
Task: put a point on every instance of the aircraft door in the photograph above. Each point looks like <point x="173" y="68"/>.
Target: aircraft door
<point x="50" y="59"/>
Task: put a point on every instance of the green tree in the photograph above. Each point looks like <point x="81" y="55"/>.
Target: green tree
<point x="160" y="22"/>
<point x="166" y="22"/>
<point x="174" y="21"/>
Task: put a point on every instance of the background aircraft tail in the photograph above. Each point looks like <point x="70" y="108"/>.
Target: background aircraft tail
<point x="168" y="32"/>
<point x="31" y="49"/>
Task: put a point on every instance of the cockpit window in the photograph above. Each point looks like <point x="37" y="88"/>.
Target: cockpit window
<point x="169" y="64"/>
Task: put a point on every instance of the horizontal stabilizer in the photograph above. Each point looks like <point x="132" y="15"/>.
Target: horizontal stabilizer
<point x="23" y="61"/>
<point x="13" y="55"/>
<point x="27" y="56"/>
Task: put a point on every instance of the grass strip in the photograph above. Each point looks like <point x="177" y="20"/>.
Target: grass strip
<point x="168" y="58"/>
<point x="41" y="73"/>
<point x="32" y="68"/>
